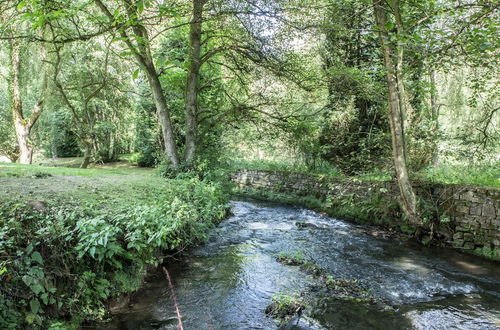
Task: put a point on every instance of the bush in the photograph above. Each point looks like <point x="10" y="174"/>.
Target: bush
<point x="147" y="159"/>
<point x="66" y="261"/>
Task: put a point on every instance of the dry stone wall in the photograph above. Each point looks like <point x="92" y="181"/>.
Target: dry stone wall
<point x="470" y="215"/>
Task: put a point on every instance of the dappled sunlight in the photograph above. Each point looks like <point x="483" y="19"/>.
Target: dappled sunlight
<point x="406" y="263"/>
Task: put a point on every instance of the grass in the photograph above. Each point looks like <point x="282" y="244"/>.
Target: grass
<point x="284" y="306"/>
<point x="58" y="168"/>
<point x="486" y="175"/>
<point x="270" y="165"/>
<point x="72" y="239"/>
<point x="477" y="175"/>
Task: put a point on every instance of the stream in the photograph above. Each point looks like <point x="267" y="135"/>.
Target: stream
<point x="228" y="282"/>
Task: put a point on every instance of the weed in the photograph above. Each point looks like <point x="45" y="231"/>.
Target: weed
<point x="283" y="307"/>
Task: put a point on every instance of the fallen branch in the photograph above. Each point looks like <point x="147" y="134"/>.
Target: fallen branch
<point x="171" y="287"/>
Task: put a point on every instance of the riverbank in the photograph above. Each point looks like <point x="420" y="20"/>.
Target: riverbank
<point x="229" y="282"/>
<point x="72" y="240"/>
<point x="460" y="216"/>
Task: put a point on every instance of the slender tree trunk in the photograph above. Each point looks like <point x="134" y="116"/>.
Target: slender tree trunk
<point x="23" y="125"/>
<point x="399" y="67"/>
<point x="407" y="194"/>
<point x="86" y="154"/>
<point x="435" y="114"/>
<point x="192" y="81"/>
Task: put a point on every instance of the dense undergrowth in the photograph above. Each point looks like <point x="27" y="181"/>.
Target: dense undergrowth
<point x="64" y="255"/>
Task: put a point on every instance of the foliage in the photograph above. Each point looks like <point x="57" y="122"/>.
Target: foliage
<point x="69" y="258"/>
<point x="472" y="174"/>
<point x="354" y="131"/>
<point x="283" y="307"/>
<point x="59" y="140"/>
<point x="282" y="166"/>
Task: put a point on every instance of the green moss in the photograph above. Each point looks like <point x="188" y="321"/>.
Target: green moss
<point x="284" y="306"/>
<point x="293" y="259"/>
<point x="339" y="288"/>
<point x="488" y="252"/>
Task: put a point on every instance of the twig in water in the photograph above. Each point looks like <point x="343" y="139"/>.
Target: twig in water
<point x="171" y="287"/>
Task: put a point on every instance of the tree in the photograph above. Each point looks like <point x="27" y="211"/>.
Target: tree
<point x="23" y="123"/>
<point x="393" y="59"/>
<point x="355" y="131"/>
<point x="88" y="80"/>
<point x="193" y="76"/>
<point x="139" y="44"/>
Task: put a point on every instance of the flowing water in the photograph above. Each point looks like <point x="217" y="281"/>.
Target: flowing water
<point x="228" y="282"/>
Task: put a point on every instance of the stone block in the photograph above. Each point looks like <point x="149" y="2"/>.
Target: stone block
<point x="458" y="243"/>
<point x="468" y="237"/>
<point x="488" y="210"/>
<point x="458" y="235"/>
<point x="485" y="222"/>
<point x="475" y="210"/>
<point x="462" y="209"/>
<point x="469" y="196"/>
<point x="469" y="246"/>
<point x="480" y="240"/>
<point x="462" y="227"/>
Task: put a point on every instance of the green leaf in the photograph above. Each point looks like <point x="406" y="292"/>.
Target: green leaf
<point x="140" y="6"/>
<point x="135" y="74"/>
<point x="35" y="306"/>
<point x="21" y="5"/>
<point x="30" y="318"/>
<point x="45" y="298"/>
<point x="36" y="256"/>
<point x="28" y="280"/>
<point x="37" y="288"/>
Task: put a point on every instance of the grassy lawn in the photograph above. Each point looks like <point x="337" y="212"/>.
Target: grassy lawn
<point x="69" y="167"/>
<point x="58" y="184"/>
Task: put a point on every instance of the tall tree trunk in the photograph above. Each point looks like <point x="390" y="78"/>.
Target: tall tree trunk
<point x="403" y="104"/>
<point x="86" y="153"/>
<point x="142" y="54"/>
<point x="163" y="117"/>
<point x="407" y="194"/>
<point x="435" y="114"/>
<point x="192" y="81"/>
<point x="23" y="125"/>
